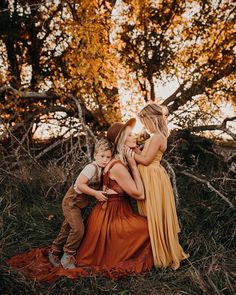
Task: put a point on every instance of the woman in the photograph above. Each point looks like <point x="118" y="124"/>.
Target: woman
<point x="116" y="241"/>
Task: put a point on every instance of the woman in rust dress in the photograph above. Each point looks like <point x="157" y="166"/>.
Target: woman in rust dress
<point x="116" y="241"/>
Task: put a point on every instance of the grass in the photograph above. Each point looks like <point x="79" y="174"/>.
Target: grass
<point x="31" y="216"/>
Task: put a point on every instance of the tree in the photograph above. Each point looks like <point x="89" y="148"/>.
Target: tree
<point x="53" y="51"/>
<point x="191" y="41"/>
<point x="59" y="53"/>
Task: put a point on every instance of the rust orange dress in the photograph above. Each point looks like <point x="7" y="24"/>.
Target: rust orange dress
<point x="159" y="207"/>
<point x="116" y="243"/>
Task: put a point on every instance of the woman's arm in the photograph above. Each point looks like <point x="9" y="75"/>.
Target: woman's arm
<point x="154" y="146"/>
<point x="132" y="186"/>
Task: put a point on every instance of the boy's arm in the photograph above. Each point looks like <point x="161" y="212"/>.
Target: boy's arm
<point x="151" y="152"/>
<point x="82" y="184"/>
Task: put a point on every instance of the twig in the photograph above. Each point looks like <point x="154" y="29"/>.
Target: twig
<point x="11" y="174"/>
<point x="52" y="146"/>
<point x="209" y="185"/>
<point x="28" y="94"/>
<point x="22" y="141"/>
<point x="87" y="130"/>
<point x="206" y="151"/>
<point x="21" y="145"/>
<point x="221" y="126"/>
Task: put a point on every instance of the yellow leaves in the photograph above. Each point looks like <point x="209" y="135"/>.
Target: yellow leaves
<point x="90" y="59"/>
<point x="93" y="56"/>
<point x="89" y="6"/>
<point x="108" y="5"/>
<point x="120" y="45"/>
<point x="139" y="6"/>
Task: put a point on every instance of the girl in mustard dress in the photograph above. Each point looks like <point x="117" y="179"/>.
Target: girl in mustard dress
<point x="159" y="205"/>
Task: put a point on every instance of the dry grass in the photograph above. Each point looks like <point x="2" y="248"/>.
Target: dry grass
<point x="31" y="217"/>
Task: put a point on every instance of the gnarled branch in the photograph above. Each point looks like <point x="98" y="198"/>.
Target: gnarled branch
<point x="206" y="182"/>
<point x="221" y="126"/>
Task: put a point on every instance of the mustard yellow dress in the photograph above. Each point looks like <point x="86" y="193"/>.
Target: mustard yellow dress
<point x="159" y="207"/>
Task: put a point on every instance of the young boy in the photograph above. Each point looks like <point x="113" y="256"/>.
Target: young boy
<point x="77" y="198"/>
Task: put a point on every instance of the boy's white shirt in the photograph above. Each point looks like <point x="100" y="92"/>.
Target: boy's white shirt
<point x="90" y="172"/>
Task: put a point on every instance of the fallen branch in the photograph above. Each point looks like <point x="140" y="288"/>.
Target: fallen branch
<point x="221" y="127"/>
<point x="22" y="141"/>
<point x="33" y="117"/>
<point x="208" y="185"/>
<point x="52" y="146"/>
<point x="28" y="94"/>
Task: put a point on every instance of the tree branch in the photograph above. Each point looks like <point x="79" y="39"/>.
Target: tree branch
<point x="221" y="126"/>
<point x="87" y="130"/>
<point x="20" y="144"/>
<point x="206" y="182"/>
<point x="52" y="146"/>
<point x="182" y="95"/>
<point x="28" y="94"/>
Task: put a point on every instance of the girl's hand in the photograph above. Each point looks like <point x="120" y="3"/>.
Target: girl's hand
<point x="138" y="150"/>
<point x="129" y="153"/>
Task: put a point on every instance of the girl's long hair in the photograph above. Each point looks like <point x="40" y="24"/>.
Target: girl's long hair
<point x="153" y="115"/>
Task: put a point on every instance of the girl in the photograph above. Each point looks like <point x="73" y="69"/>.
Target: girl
<point x="159" y="205"/>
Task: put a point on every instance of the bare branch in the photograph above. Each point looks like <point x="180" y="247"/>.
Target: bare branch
<point x="22" y="140"/>
<point x="208" y="185"/>
<point x="87" y="130"/>
<point x="52" y="146"/>
<point x="11" y="174"/>
<point x="183" y="94"/>
<point x="221" y="126"/>
<point x="22" y="147"/>
<point x="174" y="95"/>
<point x="28" y="94"/>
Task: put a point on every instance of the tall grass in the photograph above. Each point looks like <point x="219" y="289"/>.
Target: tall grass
<point x="31" y="217"/>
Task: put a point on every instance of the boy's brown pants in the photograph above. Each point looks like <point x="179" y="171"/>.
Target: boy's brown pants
<point x="72" y="229"/>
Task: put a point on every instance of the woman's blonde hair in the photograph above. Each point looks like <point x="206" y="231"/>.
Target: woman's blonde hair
<point x="153" y="115"/>
<point x="120" y="152"/>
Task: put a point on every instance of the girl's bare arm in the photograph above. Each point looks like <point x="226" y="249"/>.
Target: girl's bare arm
<point x="154" y="146"/>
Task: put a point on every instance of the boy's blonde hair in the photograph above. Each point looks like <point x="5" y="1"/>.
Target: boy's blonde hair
<point x="102" y="145"/>
<point x="154" y="114"/>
